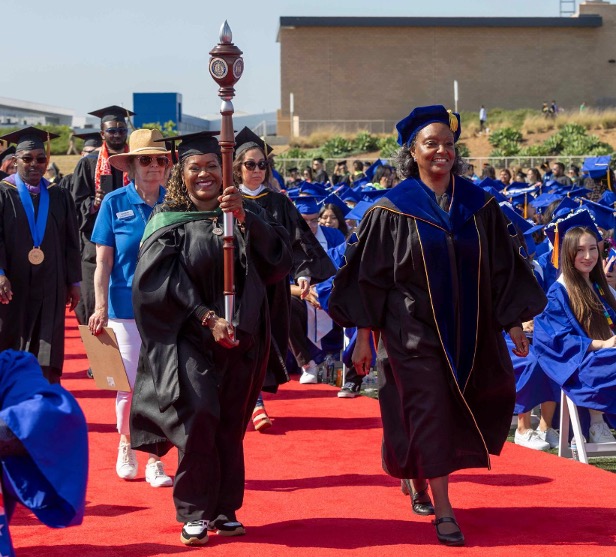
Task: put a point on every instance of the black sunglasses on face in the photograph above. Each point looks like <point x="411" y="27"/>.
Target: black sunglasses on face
<point x="113" y="131"/>
<point x="146" y="160"/>
<point x="251" y="165"/>
<point x="28" y="159"/>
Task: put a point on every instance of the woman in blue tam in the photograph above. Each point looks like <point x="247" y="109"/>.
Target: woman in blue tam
<point x="575" y="337"/>
<point x="435" y="273"/>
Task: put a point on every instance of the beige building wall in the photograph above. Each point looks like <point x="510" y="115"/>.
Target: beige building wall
<point x="380" y="73"/>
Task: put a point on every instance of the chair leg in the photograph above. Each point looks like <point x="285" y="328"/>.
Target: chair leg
<point x="577" y="431"/>
<point x="563" y="442"/>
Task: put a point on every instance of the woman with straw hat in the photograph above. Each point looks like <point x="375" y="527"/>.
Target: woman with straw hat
<point x="118" y="230"/>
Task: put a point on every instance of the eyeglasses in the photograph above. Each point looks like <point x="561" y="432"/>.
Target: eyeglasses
<point x="27" y="159"/>
<point x="146" y="160"/>
<point x="251" y="165"/>
<point x="114" y="131"/>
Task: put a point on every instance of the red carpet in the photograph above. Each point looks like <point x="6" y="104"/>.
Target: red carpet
<point x="315" y="488"/>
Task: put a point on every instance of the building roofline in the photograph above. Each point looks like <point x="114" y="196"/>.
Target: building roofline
<point x="36" y="107"/>
<point x="584" y="20"/>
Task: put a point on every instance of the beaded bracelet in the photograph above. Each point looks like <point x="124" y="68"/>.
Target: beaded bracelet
<point x="207" y="317"/>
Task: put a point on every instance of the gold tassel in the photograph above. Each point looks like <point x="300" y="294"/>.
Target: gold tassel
<point x="555" y="254"/>
<point x="609" y="181"/>
<point x="453" y="122"/>
<point x="525" y="205"/>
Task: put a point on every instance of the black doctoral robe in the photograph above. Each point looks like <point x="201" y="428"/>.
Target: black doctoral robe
<point x="309" y="260"/>
<point x="440" y="287"/>
<point x="190" y="391"/>
<point x="33" y="320"/>
<point x="83" y="190"/>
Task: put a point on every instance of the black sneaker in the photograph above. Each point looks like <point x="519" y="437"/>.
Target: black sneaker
<point x="349" y="390"/>
<point x="195" y="533"/>
<point x="224" y="526"/>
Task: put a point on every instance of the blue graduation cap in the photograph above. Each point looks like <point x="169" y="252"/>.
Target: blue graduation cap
<point x="373" y="195"/>
<point x="608" y="199"/>
<point x="358" y="212"/>
<point x="350" y="196"/>
<point x="604" y="216"/>
<point x="335" y="200"/>
<point x="521" y="224"/>
<point x="313" y="189"/>
<point x="486" y="185"/>
<point x="596" y="167"/>
<point x="577" y="192"/>
<point x="307" y="205"/>
<point x="557" y="229"/>
<point x="542" y="201"/>
<point x="531" y="246"/>
<point x="361" y="182"/>
<point x="422" y="116"/>
<point x="369" y="172"/>
<point x="293" y="193"/>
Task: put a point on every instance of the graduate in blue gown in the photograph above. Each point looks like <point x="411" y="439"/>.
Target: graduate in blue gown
<point x="575" y="336"/>
<point x="43" y="447"/>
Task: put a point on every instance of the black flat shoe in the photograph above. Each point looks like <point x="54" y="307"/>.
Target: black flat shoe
<point x="453" y="539"/>
<point x="418" y="507"/>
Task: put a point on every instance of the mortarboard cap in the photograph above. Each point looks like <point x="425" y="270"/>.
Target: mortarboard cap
<point x="246" y="138"/>
<point x="521" y="224"/>
<point x="369" y="172"/>
<point x="358" y="212"/>
<point x="373" y="195"/>
<point x="543" y="200"/>
<point x="604" y="216"/>
<point x="494" y="192"/>
<point x="92" y="139"/>
<point x="341" y="163"/>
<point x="306" y="205"/>
<point x="313" y="188"/>
<point x="423" y="116"/>
<point x="349" y="195"/>
<point x="531" y="246"/>
<point x="596" y="167"/>
<point x="293" y="193"/>
<point x="199" y="143"/>
<point x="28" y="139"/>
<point x="292" y="169"/>
<point x="333" y="199"/>
<point x="557" y="229"/>
<point x="608" y="199"/>
<point x="112" y="113"/>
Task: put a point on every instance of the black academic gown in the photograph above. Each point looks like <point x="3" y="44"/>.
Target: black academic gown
<point x="34" y="319"/>
<point x="83" y="189"/>
<point x="309" y="260"/>
<point x="440" y="287"/>
<point x="191" y="392"/>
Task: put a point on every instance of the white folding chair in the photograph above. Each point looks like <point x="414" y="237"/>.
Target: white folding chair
<point x="569" y="413"/>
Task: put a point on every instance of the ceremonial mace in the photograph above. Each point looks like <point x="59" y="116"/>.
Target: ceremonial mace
<point x="226" y="67"/>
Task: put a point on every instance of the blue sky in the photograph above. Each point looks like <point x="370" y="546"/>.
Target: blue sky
<point x="86" y="55"/>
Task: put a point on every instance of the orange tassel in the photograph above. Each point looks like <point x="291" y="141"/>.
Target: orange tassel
<point x="555" y="254"/>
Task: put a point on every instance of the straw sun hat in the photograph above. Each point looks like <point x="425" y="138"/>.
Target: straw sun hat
<point x="140" y="142"/>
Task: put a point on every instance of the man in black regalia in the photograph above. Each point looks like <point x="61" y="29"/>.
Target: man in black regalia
<point x="39" y="256"/>
<point x="92" y="179"/>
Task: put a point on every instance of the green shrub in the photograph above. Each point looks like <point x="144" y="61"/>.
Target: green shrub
<point x="388" y="146"/>
<point x="365" y="141"/>
<point x="462" y="150"/>
<point x="336" y="146"/>
<point x="505" y="136"/>
<point x="506" y="148"/>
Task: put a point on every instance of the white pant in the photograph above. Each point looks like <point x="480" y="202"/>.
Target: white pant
<point x="129" y="343"/>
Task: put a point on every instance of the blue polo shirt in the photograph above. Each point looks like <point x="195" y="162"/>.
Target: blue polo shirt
<point x="120" y="223"/>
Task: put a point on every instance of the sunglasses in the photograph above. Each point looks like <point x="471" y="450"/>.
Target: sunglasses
<point x="113" y="131"/>
<point x="28" y="159"/>
<point x="146" y="160"/>
<point x="251" y="165"/>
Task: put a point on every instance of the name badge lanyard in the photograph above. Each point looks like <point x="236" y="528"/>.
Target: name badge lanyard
<point x="37" y="227"/>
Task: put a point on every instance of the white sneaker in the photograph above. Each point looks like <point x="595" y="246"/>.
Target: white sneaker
<point x="309" y="373"/>
<point x="550" y="436"/>
<point x="600" y="433"/>
<point x="126" y="465"/>
<point x="531" y="440"/>
<point x="194" y="533"/>
<point x="155" y="475"/>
